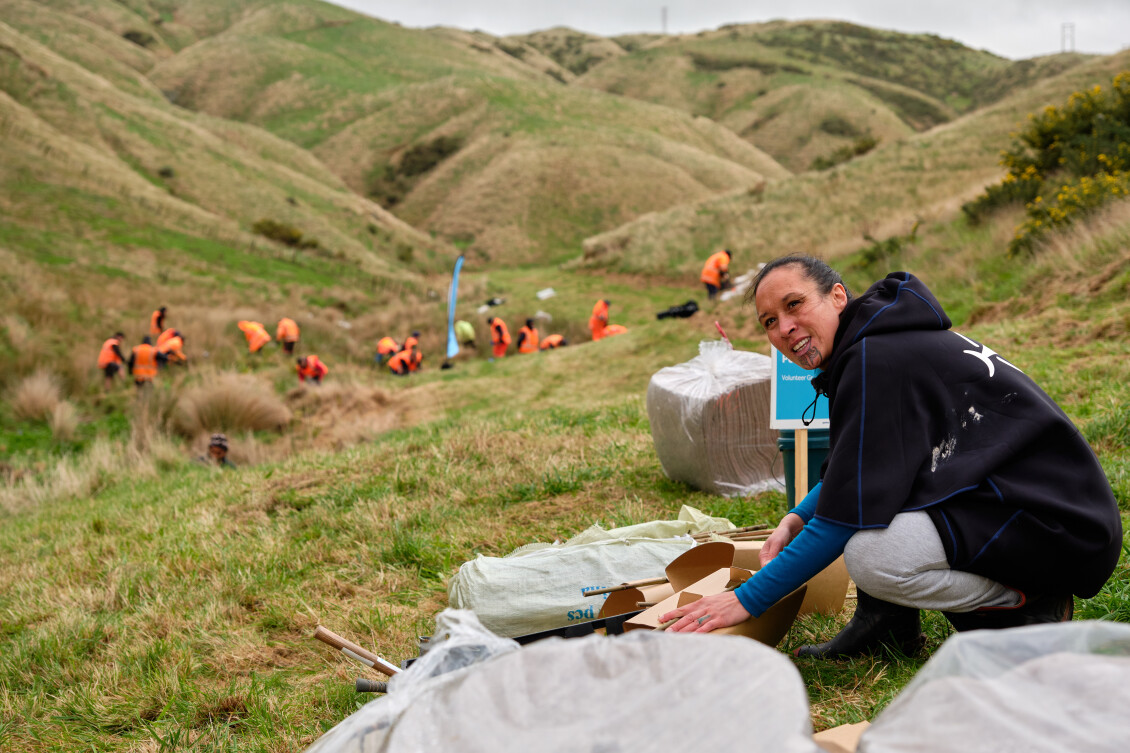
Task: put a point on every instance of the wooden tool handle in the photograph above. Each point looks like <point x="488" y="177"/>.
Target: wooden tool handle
<point x="626" y="586"/>
<point x="354" y="651"/>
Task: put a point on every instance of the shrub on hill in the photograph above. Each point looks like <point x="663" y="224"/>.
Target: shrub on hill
<point x="1066" y="163"/>
<point x="286" y="234"/>
<point x="861" y="146"/>
<point x="389" y="184"/>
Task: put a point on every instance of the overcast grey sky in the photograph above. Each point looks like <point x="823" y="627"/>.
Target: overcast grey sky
<point x="1012" y="28"/>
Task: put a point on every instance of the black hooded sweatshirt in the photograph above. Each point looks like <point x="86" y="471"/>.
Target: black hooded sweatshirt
<point x="923" y="418"/>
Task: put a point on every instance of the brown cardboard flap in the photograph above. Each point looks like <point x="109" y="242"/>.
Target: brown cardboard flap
<point x="827" y="590"/>
<point x="698" y="562"/>
<point x="842" y="739"/>
<point x="769" y="628"/>
<point x="747" y="554"/>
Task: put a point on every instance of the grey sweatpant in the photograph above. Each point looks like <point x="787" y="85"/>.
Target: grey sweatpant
<point x="905" y="564"/>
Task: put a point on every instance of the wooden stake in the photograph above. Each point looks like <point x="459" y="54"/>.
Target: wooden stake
<point x="626" y="586"/>
<point x="801" y="482"/>
<point x="353" y="651"/>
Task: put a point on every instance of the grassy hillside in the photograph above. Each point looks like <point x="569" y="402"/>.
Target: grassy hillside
<point x="150" y="602"/>
<point x="800" y="90"/>
<point x="362" y="94"/>
<point x="575" y="51"/>
<point x="921" y="178"/>
<point x="173" y="604"/>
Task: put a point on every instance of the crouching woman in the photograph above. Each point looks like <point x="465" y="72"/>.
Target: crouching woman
<point x="952" y="482"/>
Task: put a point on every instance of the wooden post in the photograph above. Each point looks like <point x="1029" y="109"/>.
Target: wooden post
<point x="801" y="465"/>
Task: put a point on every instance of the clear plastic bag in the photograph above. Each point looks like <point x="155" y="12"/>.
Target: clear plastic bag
<point x="639" y="692"/>
<point x="1044" y="688"/>
<point x="710" y="421"/>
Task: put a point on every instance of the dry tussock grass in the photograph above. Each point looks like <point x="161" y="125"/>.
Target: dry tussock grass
<point x="63" y="421"/>
<point x="230" y="402"/>
<point x="343" y="411"/>
<point x="36" y="397"/>
<point x="83" y="475"/>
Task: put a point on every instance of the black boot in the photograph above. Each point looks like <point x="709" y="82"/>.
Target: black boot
<point x="875" y="623"/>
<point x="1032" y="610"/>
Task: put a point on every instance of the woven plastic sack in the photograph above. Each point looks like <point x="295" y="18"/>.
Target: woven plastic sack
<point x="1038" y="689"/>
<point x="541" y="586"/>
<point x="710" y="421"/>
<point x="639" y="692"/>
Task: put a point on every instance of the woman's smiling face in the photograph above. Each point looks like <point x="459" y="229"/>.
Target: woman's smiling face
<point x="800" y="320"/>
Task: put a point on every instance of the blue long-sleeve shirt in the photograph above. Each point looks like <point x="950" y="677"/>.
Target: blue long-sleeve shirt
<point x="817" y="545"/>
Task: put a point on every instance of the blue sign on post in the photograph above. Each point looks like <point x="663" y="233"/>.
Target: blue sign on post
<point x="792" y="394"/>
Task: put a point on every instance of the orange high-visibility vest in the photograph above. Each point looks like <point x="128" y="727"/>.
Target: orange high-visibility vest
<point x="144" y="362"/>
<point x="499" y="334"/>
<point x="415" y="358"/>
<point x="164" y="336"/>
<point x="172" y="348"/>
<point x="155" y="322"/>
<point x="599" y="319"/>
<point x="107" y="355"/>
<point x="255" y="333"/>
<point x="549" y="342"/>
<point x="315" y="369"/>
<point x="401" y="363"/>
<point x="714" y="267"/>
<point x="287" y="331"/>
<point x="386" y="346"/>
<point x="529" y="338"/>
<point x="410" y="343"/>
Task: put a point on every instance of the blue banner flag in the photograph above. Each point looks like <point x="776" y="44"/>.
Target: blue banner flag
<point x="452" y="343"/>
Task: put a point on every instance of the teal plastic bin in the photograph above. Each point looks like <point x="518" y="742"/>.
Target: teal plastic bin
<point x="817" y="452"/>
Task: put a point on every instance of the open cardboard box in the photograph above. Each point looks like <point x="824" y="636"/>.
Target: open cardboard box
<point x="769" y="628"/>
<point x="826" y="590"/>
<point x="689" y="567"/>
<point x="825" y="593"/>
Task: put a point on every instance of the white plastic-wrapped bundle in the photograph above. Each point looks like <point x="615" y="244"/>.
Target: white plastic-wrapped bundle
<point x="541" y="586"/>
<point x="1038" y="689"/>
<point x="710" y="421"/>
<point x="639" y="692"/>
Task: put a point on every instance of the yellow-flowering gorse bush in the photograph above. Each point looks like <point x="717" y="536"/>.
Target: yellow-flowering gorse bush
<point x="1066" y="162"/>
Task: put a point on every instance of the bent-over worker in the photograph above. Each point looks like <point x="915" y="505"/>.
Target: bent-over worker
<point x="110" y="358"/>
<point x="255" y="333"/>
<point x="528" y="338"/>
<point x="716" y="273"/>
<point x="499" y="336"/>
<point x="157" y="322"/>
<point x="286" y="333"/>
<point x="311" y="367"/>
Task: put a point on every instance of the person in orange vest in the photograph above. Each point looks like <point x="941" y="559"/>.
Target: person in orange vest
<point x="499" y="336"/>
<point x="716" y="273"/>
<point x="405" y="362"/>
<point x="157" y="322"/>
<point x="311" y="367"/>
<point x="599" y="319"/>
<point x="287" y="334"/>
<point x="528" y="338"/>
<point x="143" y="362"/>
<point x="171" y="348"/>
<point x="552" y="342"/>
<point x="164" y="336"/>
<point x="110" y="358"/>
<point x="255" y="333"/>
<point x="386" y="348"/>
